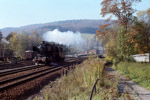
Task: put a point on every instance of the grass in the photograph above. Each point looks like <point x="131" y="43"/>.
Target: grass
<point x="77" y="85"/>
<point x="138" y="72"/>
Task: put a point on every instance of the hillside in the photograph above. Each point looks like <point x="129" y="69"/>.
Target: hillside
<point x="83" y="26"/>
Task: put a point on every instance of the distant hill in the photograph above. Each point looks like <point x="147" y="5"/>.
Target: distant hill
<point x="83" y="26"/>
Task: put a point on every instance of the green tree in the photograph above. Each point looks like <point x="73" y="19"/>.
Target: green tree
<point x="9" y="36"/>
<point x="122" y="51"/>
<point x="19" y="43"/>
<point x="35" y="39"/>
<point x="111" y="49"/>
<point x="23" y="44"/>
<point x="14" y="44"/>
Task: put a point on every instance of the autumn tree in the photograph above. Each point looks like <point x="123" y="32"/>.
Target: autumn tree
<point x="108" y="37"/>
<point x="139" y="33"/>
<point x="139" y="37"/>
<point x="121" y="9"/>
<point x="144" y="15"/>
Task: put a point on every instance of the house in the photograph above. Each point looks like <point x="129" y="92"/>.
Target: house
<point x="142" y="57"/>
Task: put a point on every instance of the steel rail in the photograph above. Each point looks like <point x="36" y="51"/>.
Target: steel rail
<point x="43" y="72"/>
<point x="21" y="69"/>
<point x="22" y="76"/>
<point x="20" y="62"/>
<point x="30" y="76"/>
<point x="15" y="70"/>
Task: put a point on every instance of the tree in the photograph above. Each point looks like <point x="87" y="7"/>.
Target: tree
<point x="1" y="49"/>
<point x="9" y="36"/>
<point x="108" y="37"/>
<point x="144" y="15"/>
<point x="14" y="44"/>
<point x="122" y="47"/>
<point x="23" y="43"/>
<point x="19" y="43"/>
<point x="1" y="36"/>
<point x="122" y="9"/>
<point x="111" y="49"/>
<point x="34" y="39"/>
<point x="5" y="44"/>
<point x="139" y="37"/>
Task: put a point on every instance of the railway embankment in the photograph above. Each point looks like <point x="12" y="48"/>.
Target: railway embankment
<point x="78" y="84"/>
<point x="20" y="83"/>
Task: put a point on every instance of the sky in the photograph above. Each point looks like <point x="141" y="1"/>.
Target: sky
<point x="15" y="13"/>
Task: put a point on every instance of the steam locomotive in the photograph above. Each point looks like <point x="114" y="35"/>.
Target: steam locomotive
<point x="48" y="52"/>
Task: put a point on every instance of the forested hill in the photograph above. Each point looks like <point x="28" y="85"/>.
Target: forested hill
<point x="83" y="26"/>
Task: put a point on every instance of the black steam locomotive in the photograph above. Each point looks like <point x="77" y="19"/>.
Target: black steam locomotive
<point x="48" y="52"/>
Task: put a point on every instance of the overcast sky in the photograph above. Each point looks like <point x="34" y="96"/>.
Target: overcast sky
<point x="15" y="13"/>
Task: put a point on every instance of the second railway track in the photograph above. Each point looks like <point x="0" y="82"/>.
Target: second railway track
<point x="17" y="80"/>
<point x="12" y="82"/>
<point x="21" y="69"/>
<point x="19" y="64"/>
<point x="15" y="70"/>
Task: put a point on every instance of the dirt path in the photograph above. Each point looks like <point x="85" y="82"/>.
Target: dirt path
<point x="127" y="86"/>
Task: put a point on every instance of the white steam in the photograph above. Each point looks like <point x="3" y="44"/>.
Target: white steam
<point x="68" y="38"/>
<point x="5" y="41"/>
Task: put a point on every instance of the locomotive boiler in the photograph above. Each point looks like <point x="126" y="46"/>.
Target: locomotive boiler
<point x="48" y="52"/>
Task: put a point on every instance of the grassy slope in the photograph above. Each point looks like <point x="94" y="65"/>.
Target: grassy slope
<point x="77" y="85"/>
<point x="138" y="72"/>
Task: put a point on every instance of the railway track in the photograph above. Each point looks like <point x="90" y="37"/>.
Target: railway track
<point x="12" y="82"/>
<point x="2" y="64"/>
<point x="16" y="70"/>
<point x="19" y="64"/>
<point x="21" y="69"/>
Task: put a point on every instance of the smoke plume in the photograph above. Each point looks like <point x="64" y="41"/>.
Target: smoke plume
<point x="5" y="41"/>
<point x="68" y="38"/>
